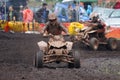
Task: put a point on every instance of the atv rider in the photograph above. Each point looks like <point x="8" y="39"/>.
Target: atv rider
<point x="95" y="24"/>
<point x="53" y="26"/>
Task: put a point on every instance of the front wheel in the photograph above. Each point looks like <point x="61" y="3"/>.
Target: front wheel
<point x="39" y="59"/>
<point x="71" y="65"/>
<point x="76" y="59"/>
<point x="94" y="43"/>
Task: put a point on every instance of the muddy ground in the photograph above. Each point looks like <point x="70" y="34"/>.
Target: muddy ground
<point x="17" y="52"/>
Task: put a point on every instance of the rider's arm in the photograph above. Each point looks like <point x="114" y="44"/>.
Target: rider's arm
<point x="64" y="29"/>
<point x="44" y="28"/>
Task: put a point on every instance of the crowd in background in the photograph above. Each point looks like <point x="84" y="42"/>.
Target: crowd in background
<point x="25" y="14"/>
<point x="78" y="12"/>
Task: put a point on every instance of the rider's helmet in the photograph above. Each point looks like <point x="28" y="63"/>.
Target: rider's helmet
<point x="95" y="18"/>
<point x="52" y="17"/>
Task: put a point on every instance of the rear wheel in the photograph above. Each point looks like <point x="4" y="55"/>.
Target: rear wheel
<point x="112" y="44"/>
<point x="94" y="43"/>
<point x="39" y="59"/>
<point x="76" y="45"/>
<point x="76" y="59"/>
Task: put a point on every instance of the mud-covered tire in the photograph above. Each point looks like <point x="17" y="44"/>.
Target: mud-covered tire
<point x="72" y="38"/>
<point x="76" y="59"/>
<point x="94" y="44"/>
<point x="71" y="65"/>
<point x="76" y="45"/>
<point x="39" y="59"/>
<point x="112" y="44"/>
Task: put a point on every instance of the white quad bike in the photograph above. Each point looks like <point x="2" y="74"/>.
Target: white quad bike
<point x="57" y="50"/>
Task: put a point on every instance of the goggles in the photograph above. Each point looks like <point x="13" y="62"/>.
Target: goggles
<point x="52" y="20"/>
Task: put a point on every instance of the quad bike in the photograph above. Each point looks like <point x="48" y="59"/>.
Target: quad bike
<point x="57" y="50"/>
<point x="94" y="37"/>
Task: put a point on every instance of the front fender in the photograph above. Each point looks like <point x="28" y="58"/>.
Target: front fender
<point x="69" y="45"/>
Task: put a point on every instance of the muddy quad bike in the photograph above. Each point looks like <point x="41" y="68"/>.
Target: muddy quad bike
<point x="94" y="38"/>
<point x="57" y="50"/>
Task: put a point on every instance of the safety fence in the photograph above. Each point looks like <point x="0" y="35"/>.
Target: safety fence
<point x="18" y="26"/>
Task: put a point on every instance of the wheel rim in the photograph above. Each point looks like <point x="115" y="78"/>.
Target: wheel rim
<point x="95" y="46"/>
<point x="114" y="45"/>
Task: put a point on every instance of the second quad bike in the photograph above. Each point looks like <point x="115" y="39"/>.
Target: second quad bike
<point x="57" y="50"/>
<point x="94" y="37"/>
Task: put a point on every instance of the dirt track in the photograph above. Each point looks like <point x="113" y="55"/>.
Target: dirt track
<point x="17" y="54"/>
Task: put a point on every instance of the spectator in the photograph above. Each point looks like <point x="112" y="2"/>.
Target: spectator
<point x="2" y="10"/>
<point x="74" y="15"/>
<point x="27" y="16"/>
<point x="42" y="14"/>
<point x="77" y="11"/>
<point x="82" y="13"/>
<point x="12" y="15"/>
<point x="70" y="13"/>
<point x="21" y="13"/>
<point x="89" y="9"/>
